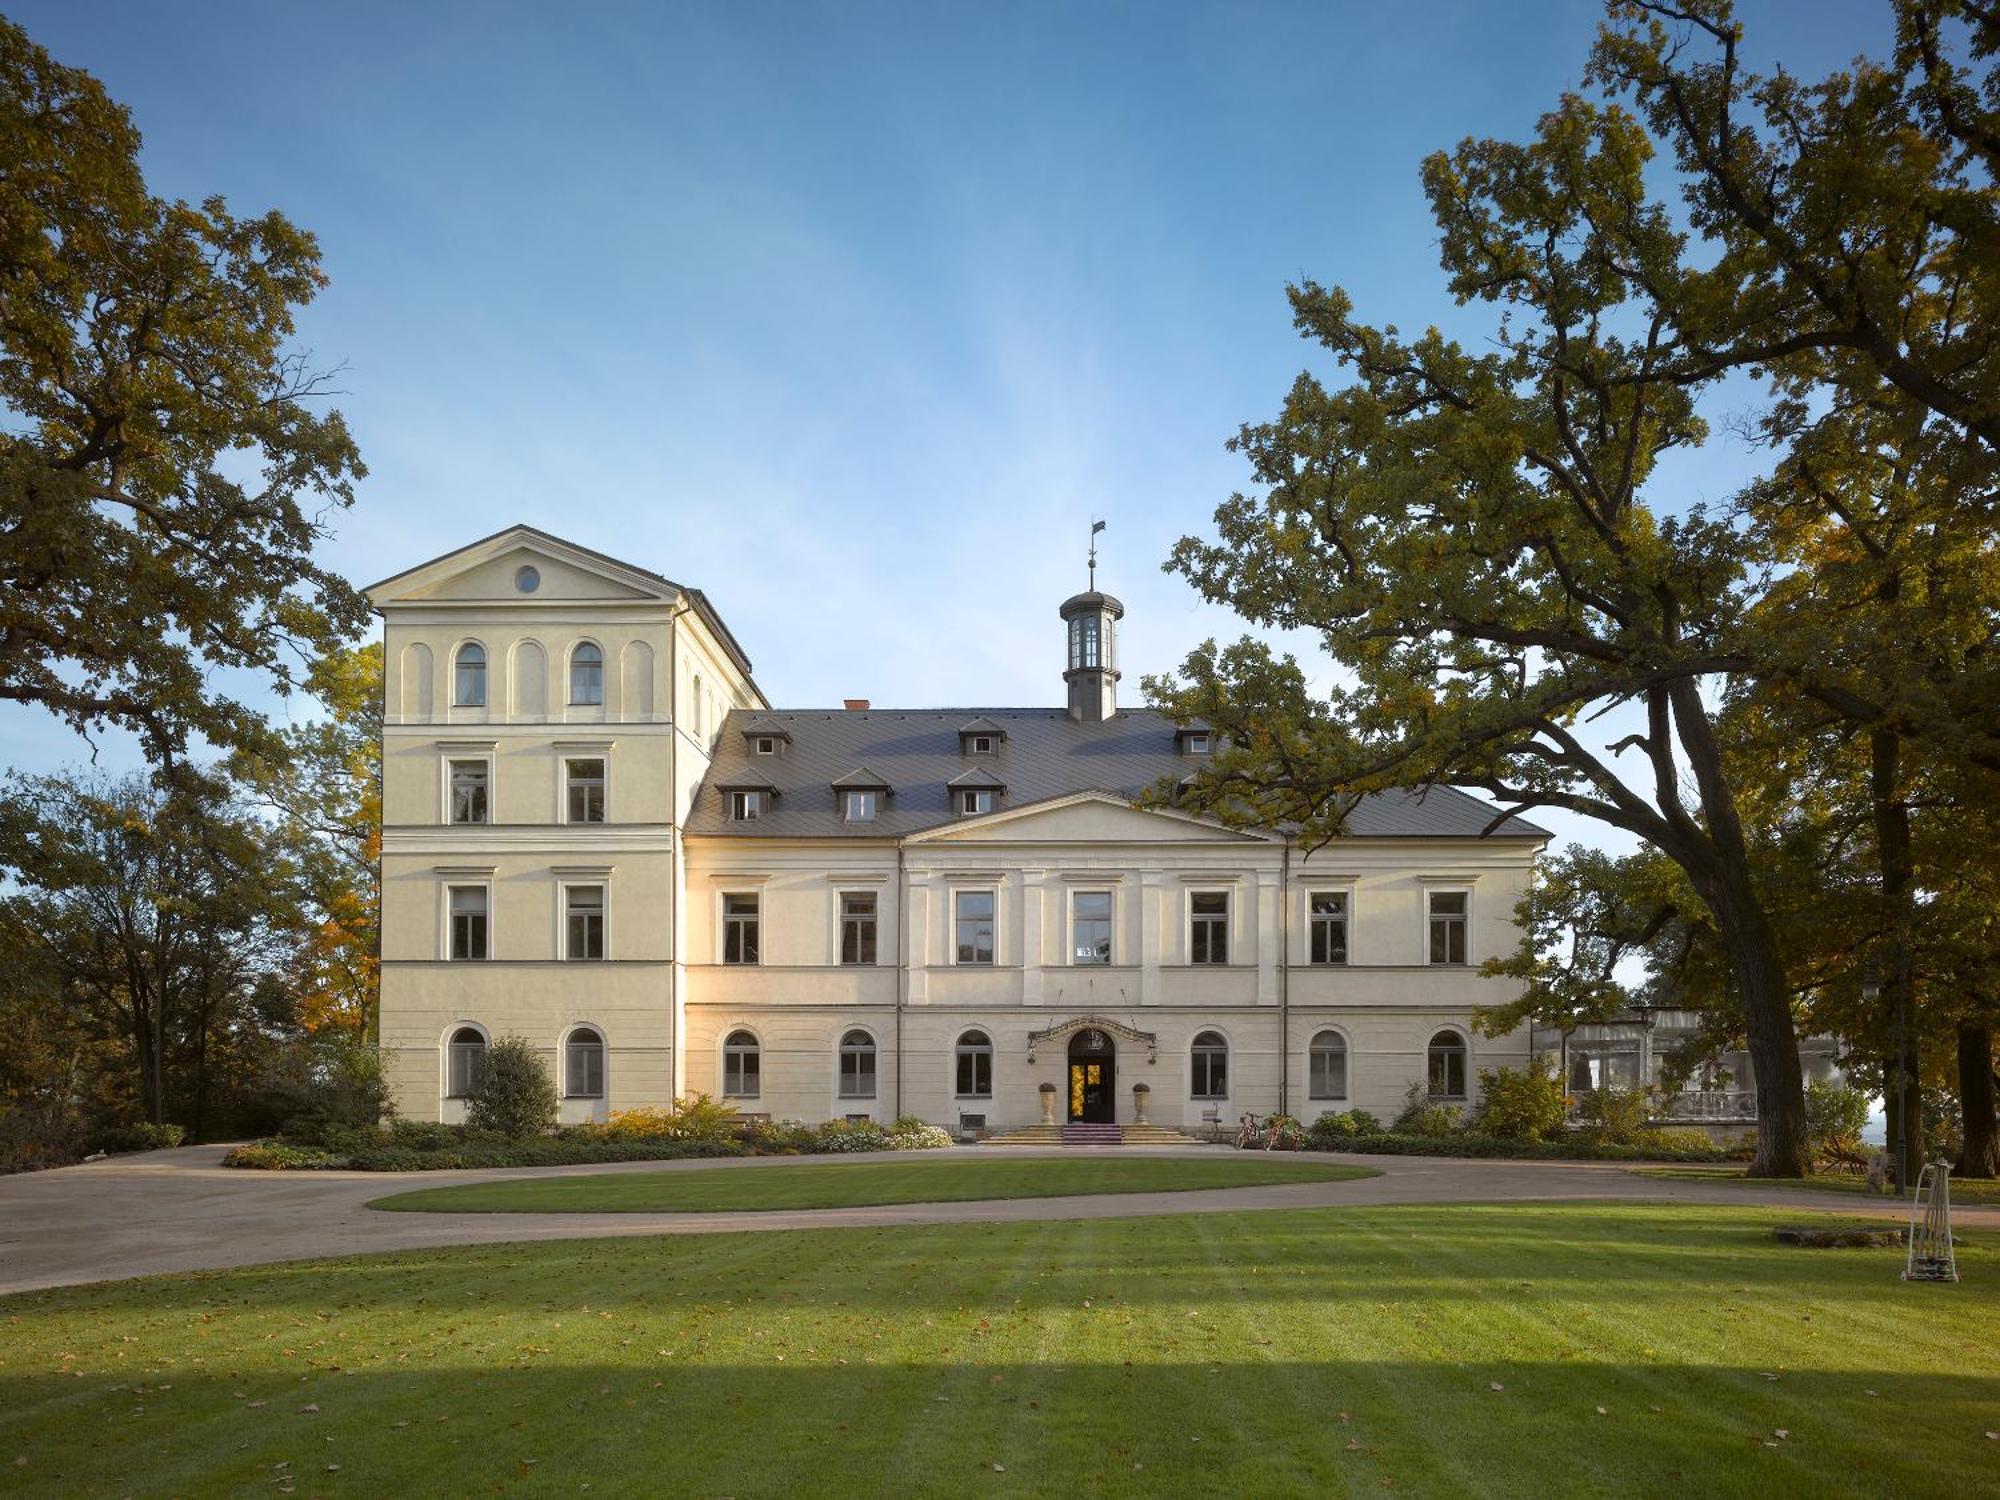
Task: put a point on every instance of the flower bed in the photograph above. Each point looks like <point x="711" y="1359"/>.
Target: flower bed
<point x="696" y="1128"/>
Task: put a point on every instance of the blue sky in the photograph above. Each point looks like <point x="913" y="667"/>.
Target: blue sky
<point x="851" y="315"/>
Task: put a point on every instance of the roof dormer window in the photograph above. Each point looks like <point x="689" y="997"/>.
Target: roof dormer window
<point x="746" y="806"/>
<point x="1194" y="739"/>
<point x="765" y="744"/>
<point x="860" y="806"/>
<point x="979" y="744"/>
<point x="980" y="736"/>
<point x="1197" y="744"/>
<point x="975" y="800"/>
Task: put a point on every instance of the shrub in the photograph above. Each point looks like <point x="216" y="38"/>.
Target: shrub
<point x="1613" y="1115"/>
<point x="327" y="1084"/>
<point x="514" y="1096"/>
<point x="840" y="1136"/>
<point x="1423" y="1115"/>
<point x="1339" y="1125"/>
<point x="912" y="1134"/>
<point x="276" y="1156"/>
<point x="1569" y="1148"/>
<point x="1521" y="1104"/>
<point x="1835" y="1114"/>
<point x="140" y="1136"/>
<point x="695" y="1118"/>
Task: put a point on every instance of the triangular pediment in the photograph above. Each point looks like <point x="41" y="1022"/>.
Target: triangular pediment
<point x="1089" y="818"/>
<point x="490" y="570"/>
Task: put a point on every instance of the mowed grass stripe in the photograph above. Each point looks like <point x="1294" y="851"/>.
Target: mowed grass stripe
<point x="764" y="1189"/>
<point x="768" y="1363"/>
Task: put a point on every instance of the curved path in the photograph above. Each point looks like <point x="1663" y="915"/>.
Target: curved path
<point x="182" y="1211"/>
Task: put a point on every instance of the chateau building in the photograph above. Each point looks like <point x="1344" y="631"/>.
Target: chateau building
<point x="600" y="836"/>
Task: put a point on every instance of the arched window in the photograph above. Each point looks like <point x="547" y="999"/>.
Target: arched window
<point x="468" y="676"/>
<point x="974" y="1058"/>
<point x="1211" y="1066"/>
<point x="696" y="705"/>
<point x="741" y="1074"/>
<point x="583" y="1064"/>
<point x="1447" y="1066"/>
<point x="586" y="674"/>
<point x="465" y="1062"/>
<point x="1327" y="1070"/>
<point x="857" y="1066"/>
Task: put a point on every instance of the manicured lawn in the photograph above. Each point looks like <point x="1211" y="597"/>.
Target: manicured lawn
<point x="848" y="1184"/>
<point x="1453" y="1350"/>
<point x="1963" y="1190"/>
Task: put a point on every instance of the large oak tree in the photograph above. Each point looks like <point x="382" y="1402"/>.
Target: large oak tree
<point x="166" y="466"/>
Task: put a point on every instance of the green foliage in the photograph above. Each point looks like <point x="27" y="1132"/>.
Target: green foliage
<point x="142" y="1135"/>
<point x="164" y="475"/>
<point x="1651" y="1145"/>
<point x="1616" y="1116"/>
<point x="514" y="1097"/>
<point x="327" y="1082"/>
<point x="1835" y="1115"/>
<point x="276" y="1156"/>
<point x="911" y="1133"/>
<point x="1521" y="1104"/>
<point x="1423" y="1115"/>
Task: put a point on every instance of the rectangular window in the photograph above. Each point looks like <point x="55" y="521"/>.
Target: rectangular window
<point x="975" y="1072"/>
<point x="466" y="1063"/>
<point x="586" y="677"/>
<point x="585" y="781"/>
<point x="739" y="929"/>
<point x="584" y="919"/>
<point x="1448" y="912"/>
<point x="979" y="744"/>
<point x="767" y="744"/>
<point x="974" y="911"/>
<point x="469" y="788"/>
<point x="857" y="1073"/>
<point x="584" y="1068"/>
<point x="468" y="678"/>
<point x="1208" y="924"/>
<point x="741" y="1073"/>
<point x="746" y="807"/>
<point x="857" y="927"/>
<point x="1197" y="744"/>
<point x="975" y="802"/>
<point x="1090" y="922"/>
<point x="1329" y="1072"/>
<point x="859" y="807"/>
<point x="468" y="921"/>
<point x="1211" y="1071"/>
<point x="1328" y="920"/>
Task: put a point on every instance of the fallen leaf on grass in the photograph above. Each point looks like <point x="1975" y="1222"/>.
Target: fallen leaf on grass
<point x="1498" y="1386"/>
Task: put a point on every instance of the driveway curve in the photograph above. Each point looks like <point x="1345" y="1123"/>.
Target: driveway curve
<point x="181" y="1210"/>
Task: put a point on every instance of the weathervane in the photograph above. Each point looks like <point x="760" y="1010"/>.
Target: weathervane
<point x="1095" y="527"/>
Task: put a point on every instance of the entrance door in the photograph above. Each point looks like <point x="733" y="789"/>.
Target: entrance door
<point x="1093" y="1072"/>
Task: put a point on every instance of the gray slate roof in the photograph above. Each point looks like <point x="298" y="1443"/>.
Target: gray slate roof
<point x="1046" y="754"/>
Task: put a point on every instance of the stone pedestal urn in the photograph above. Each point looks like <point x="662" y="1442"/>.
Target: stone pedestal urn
<point x="1048" y="1104"/>
<point x="1139" y="1093"/>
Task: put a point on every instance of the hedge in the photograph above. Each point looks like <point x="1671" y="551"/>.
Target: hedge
<point x="1491" y="1147"/>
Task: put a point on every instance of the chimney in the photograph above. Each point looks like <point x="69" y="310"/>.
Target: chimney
<point x="854" y="705"/>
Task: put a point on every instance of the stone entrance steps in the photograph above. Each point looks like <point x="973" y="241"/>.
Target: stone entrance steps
<point x="1077" y="1134"/>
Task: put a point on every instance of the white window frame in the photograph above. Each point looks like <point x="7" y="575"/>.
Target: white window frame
<point x="1110" y="893"/>
<point x="444" y="1053"/>
<point x="448" y="881"/>
<point x="1464" y="1094"/>
<point x="1431" y="891"/>
<point x="751" y="806"/>
<point x="447" y="753"/>
<point x="1197" y="742"/>
<point x="840" y="920"/>
<point x="980" y="744"/>
<point x="969" y="798"/>
<point x="603" y="1061"/>
<point x="1227" y="890"/>
<point x="722" y="1062"/>
<point x="951" y="937"/>
<point x="1346" y="895"/>
<point x="869" y="799"/>
<point x="563" y="759"/>
<point x="840" y="1069"/>
<point x="1228" y="1065"/>
<point x="485" y="760"/>
<point x="570" y="700"/>
<point x="1346" y="1065"/>
<point x="991" y="1054"/>
<point x="764" y="744"/>
<point x="564" y="885"/>
<point x="723" y="918"/>
<point x="485" y="706"/>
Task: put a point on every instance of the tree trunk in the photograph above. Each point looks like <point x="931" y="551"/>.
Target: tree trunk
<point x="1981" y="1155"/>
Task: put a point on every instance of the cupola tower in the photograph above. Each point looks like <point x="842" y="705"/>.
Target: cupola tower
<point x="1091" y="619"/>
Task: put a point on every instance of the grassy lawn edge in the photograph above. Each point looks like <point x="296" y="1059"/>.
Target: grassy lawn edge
<point x="859" y="1185"/>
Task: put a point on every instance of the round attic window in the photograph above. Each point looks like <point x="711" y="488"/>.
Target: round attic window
<point x="527" y="580"/>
